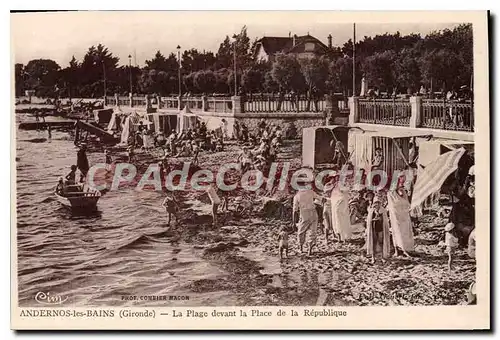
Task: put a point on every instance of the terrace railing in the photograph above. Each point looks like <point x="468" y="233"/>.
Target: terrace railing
<point x="385" y="111"/>
<point x="284" y="103"/>
<point x="415" y="112"/>
<point x="138" y="101"/>
<point x="447" y="114"/>
<point x="169" y="102"/>
<point x="124" y="101"/>
<point x="219" y="104"/>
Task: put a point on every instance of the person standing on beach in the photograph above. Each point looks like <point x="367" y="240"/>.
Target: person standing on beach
<point x="304" y="207"/>
<point x="49" y="130"/>
<point x="399" y="216"/>
<point x="171" y="207"/>
<point x="215" y="201"/>
<point x="451" y="242"/>
<point x="108" y="160"/>
<point x="82" y="162"/>
<point x="377" y="231"/>
<point x="341" y="220"/>
<point x="327" y="210"/>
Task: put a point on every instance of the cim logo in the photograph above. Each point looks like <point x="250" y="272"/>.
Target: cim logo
<point x="49" y="299"/>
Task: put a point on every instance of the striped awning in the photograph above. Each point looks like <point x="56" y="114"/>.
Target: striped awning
<point x="434" y="175"/>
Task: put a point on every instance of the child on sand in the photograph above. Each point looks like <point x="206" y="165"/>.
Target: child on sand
<point x="283" y="242"/>
<point x="108" y="160"/>
<point x="130" y="154"/>
<point x="451" y="241"/>
<point x="215" y="201"/>
<point x="171" y="207"/>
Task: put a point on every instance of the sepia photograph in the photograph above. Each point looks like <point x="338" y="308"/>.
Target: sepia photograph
<point x="204" y="160"/>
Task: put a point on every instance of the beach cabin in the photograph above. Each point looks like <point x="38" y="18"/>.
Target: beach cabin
<point x="432" y="149"/>
<point x="163" y="122"/>
<point x="394" y="146"/>
<point x="318" y="144"/>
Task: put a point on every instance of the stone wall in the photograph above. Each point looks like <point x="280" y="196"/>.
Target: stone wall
<point x="251" y="120"/>
<point x="284" y="120"/>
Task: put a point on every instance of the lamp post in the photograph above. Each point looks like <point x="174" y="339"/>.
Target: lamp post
<point x="130" y="72"/>
<point x="179" y="75"/>
<point x="235" y="75"/>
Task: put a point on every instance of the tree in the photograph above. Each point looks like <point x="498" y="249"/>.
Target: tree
<point x="19" y="79"/>
<point x="193" y="60"/>
<point x="243" y="50"/>
<point x="42" y="75"/>
<point x="153" y="81"/>
<point x="287" y="74"/>
<point x="378" y="69"/>
<point x="160" y="63"/>
<point x="406" y="71"/>
<point x="224" y="54"/>
<point x="315" y="72"/>
<point x="204" y="81"/>
<point x="96" y="61"/>
<point x="441" y="69"/>
<point x="252" y="80"/>
<point x="221" y="77"/>
<point x="188" y="81"/>
<point x="340" y="74"/>
<point x="270" y="84"/>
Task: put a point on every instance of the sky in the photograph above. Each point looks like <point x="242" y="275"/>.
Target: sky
<point x="59" y="36"/>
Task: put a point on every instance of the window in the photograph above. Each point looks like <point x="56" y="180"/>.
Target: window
<point x="309" y="47"/>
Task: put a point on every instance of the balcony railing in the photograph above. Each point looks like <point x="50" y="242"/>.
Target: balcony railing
<point x="448" y="115"/>
<point x="385" y="111"/>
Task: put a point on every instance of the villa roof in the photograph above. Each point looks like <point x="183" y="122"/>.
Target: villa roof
<point x="273" y="45"/>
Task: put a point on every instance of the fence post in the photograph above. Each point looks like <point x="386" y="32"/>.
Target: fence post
<point x="353" y="110"/>
<point x="204" y="103"/>
<point x="179" y="103"/>
<point x="158" y="101"/>
<point x="130" y="97"/>
<point x="148" y="101"/>
<point x="393" y="110"/>
<point x="117" y="103"/>
<point x="471" y="120"/>
<point x="416" y="112"/>
<point x="236" y="104"/>
<point x="444" y="112"/>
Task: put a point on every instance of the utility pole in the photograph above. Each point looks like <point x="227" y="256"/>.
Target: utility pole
<point x="130" y="72"/>
<point x="235" y="75"/>
<point x="180" y="65"/>
<point x="354" y="61"/>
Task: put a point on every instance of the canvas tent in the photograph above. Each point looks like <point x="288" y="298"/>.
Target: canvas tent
<point x="394" y="145"/>
<point x="163" y="122"/>
<point x="318" y="144"/>
<point x="430" y="150"/>
<point x="129" y="127"/>
<point x="186" y="120"/>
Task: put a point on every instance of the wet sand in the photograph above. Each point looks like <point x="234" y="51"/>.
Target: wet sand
<point x="335" y="274"/>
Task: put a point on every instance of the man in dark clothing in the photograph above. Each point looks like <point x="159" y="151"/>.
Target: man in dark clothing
<point x="82" y="162"/>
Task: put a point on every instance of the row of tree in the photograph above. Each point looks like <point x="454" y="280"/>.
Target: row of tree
<point x="389" y="62"/>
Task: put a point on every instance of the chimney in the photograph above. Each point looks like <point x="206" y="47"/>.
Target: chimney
<point x="294" y="39"/>
<point x="329" y="41"/>
<point x="289" y="34"/>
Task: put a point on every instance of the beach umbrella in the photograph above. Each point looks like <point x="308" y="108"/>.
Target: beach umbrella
<point x="432" y="177"/>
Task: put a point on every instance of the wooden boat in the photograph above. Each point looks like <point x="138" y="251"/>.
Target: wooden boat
<point x="78" y="197"/>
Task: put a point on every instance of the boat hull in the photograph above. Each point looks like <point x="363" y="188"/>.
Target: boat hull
<point x="81" y="202"/>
